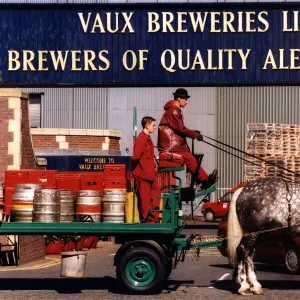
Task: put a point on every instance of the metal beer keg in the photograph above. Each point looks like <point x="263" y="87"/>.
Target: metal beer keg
<point x="46" y="206"/>
<point x="67" y="206"/>
<point x="88" y="203"/>
<point x="22" y="202"/>
<point x="114" y="206"/>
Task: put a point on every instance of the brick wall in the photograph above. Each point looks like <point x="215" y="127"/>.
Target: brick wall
<point x="27" y="157"/>
<point x="44" y="142"/>
<point x="5" y="115"/>
<point x="16" y="153"/>
<point x="75" y="139"/>
<point x="31" y="247"/>
<point x="85" y="142"/>
<point x="114" y="143"/>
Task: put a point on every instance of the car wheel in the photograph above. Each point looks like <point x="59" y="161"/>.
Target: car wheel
<point x="291" y="260"/>
<point x="209" y="216"/>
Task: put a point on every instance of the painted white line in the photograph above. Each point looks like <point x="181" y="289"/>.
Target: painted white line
<point x="43" y="266"/>
<point x="220" y="279"/>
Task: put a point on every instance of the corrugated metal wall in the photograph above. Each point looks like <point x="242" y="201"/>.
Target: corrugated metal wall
<point x="35" y="110"/>
<point x="73" y="107"/>
<point x="199" y="114"/>
<point x="112" y="108"/>
<point x="220" y="113"/>
<point x="237" y="106"/>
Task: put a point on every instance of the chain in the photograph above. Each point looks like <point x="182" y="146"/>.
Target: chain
<point x="214" y="238"/>
<point x="210" y="238"/>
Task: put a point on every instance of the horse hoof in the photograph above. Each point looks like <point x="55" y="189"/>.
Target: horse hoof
<point x="245" y="293"/>
<point x="257" y="291"/>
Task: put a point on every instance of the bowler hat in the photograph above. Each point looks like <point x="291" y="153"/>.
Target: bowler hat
<point x="182" y="93"/>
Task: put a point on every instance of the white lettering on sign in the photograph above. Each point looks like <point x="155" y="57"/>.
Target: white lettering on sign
<point x="95" y="163"/>
<point x="174" y="61"/>
<point x="131" y="56"/>
<point x="198" y="52"/>
<point x="42" y="60"/>
<point x="283" y="60"/>
<point x="290" y="23"/>
<point x="97" y="23"/>
<point x="214" y="22"/>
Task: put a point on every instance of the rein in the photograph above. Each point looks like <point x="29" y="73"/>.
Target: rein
<point x="251" y="155"/>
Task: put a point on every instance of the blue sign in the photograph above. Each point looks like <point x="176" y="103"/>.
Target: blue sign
<point x="75" y="163"/>
<point x="157" y="44"/>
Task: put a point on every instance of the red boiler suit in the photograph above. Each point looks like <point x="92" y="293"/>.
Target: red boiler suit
<point x="172" y="135"/>
<point x="145" y="174"/>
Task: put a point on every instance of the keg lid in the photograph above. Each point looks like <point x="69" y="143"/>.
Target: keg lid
<point x="115" y="192"/>
<point x="29" y="186"/>
<point x="46" y="191"/>
<point x="65" y="192"/>
<point x="88" y="193"/>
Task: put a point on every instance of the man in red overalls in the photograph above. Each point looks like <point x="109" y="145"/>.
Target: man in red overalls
<point x="172" y="135"/>
<point x="145" y="171"/>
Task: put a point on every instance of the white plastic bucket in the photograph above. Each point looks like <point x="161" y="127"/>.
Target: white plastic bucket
<point x="73" y="264"/>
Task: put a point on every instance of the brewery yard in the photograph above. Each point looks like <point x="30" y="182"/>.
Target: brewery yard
<point x="208" y="277"/>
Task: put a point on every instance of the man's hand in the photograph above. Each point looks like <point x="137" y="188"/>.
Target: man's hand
<point x="199" y="135"/>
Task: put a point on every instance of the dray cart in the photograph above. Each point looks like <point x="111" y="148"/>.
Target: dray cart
<point x="148" y="252"/>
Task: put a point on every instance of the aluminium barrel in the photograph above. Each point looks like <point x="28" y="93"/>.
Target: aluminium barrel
<point x="88" y="204"/>
<point x="113" y="206"/>
<point x="46" y="206"/>
<point x="22" y="202"/>
<point x="67" y="206"/>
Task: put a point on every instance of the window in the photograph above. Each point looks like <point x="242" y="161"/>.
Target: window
<point x="35" y="101"/>
<point x="227" y="198"/>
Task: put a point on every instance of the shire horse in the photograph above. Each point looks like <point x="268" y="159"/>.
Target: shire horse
<point x="262" y="205"/>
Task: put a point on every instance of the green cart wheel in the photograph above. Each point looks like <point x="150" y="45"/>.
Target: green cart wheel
<point x="169" y="268"/>
<point x="141" y="271"/>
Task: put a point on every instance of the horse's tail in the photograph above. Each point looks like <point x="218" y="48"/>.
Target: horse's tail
<point x="234" y="229"/>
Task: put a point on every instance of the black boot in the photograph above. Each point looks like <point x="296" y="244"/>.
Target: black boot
<point x="213" y="175"/>
<point x="211" y="180"/>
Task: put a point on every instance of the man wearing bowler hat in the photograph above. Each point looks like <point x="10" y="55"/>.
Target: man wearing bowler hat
<point x="172" y="135"/>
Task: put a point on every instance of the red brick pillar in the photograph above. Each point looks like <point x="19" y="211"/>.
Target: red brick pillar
<point x="16" y="153"/>
<point x="7" y="137"/>
<point x="27" y="155"/>
<point x="16" y="150"/>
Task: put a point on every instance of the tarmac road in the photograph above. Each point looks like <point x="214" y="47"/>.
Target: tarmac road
<point x="207" y="278"/>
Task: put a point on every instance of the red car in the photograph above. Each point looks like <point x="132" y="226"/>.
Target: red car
<point x="213" y="210"/>
<point x="274" y="247"/>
